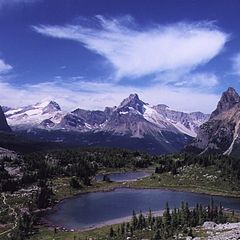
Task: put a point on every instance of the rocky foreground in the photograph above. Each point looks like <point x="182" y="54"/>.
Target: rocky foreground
<point x="227" y="231"/>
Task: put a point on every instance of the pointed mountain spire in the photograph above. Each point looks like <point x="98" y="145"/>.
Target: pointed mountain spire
<point x="228" y="100"/>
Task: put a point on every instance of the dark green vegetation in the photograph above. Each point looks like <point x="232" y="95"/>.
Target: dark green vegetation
<point x="212" y="174"/>
<point x="14" y="141"/>
<point x="48" y="176"/>
<point x="229" y="167"/>
<point x="83" y="164"/>
<point x="171" y="223"/>
<point x="148" y="144"/>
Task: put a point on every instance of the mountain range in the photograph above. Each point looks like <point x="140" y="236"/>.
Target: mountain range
<point x="132" y="123"/>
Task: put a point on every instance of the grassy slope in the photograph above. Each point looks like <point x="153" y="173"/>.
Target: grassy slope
<point x="193" y="178"/>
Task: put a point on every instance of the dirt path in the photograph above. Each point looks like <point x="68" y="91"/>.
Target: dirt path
<point x="13" y="213"/>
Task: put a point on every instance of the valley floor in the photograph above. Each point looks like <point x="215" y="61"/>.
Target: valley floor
<point x="191" y="178"/>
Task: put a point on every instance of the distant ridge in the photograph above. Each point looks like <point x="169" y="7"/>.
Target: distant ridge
<point x="133" y="119"/>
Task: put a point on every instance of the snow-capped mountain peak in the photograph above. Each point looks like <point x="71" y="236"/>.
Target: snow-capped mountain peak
<point x="132" y="116"/>
<point x="33" y="115"/>
<point x="131" y="103"/>
<point x="47" y="104"/>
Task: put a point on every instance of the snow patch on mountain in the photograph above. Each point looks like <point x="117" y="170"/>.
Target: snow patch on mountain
<point x="34" y="115"/>
<point x="188" y="131"/>
<point x="132" y="117"/>
<point x="154" y="117"/>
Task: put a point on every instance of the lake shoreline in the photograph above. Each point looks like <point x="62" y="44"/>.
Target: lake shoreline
<point x="115" y="221"/>
<point x="47" y="223"/>
<point x="125" y="185"/>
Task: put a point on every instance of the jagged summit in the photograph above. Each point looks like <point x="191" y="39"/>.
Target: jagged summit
<point x="133" y="97"/>
<point x="229" y="99"/>
<point x="221" y="133"/>
<point x="51" y="107"/>
<point x="50" y="104"/>
<point x="132" y="101"/>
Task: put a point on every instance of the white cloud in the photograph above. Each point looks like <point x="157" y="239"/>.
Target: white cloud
<point x="197" y="80"/>
<point x="236" y="64"/>
<point x="136" y="53"/>
<point x="93" y="95"/>
<point x="4" y="67"/>
<point x="171" y="53"/>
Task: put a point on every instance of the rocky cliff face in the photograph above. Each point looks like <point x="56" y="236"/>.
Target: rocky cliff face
<point x="221" y="133"/>
<point x="189" y="122"/>
<point x="3" y="122"/>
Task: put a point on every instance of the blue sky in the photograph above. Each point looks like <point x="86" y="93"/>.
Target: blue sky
<point x="92" y="54"/>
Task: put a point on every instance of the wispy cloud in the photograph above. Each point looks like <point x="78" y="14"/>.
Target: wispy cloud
<point x="199" y="80"/>
<point x="4" y="67"/>
<point x="169" y="55"/>
<point x="136" y="52"/>
<point x="236" y="64"/>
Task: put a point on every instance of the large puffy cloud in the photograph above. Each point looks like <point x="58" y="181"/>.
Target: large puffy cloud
<point x="135" y="52"/>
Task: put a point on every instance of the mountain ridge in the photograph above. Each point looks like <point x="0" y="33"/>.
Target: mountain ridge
<point x="132" y="118"/>
<point x="49" y="114"/>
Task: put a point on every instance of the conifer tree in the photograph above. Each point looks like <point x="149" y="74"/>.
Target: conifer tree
<point x="167" y="216"/>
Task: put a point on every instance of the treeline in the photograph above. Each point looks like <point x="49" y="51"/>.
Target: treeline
<point x="229" y="166"/>
<point x="7" y="182"/>
<point x="84" y="164"/>
<point x="81" y="163"/>
<point x="171" y="223"/>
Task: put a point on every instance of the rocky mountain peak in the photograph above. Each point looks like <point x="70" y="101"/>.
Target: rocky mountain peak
<point x="221" y="133"/>
<point x="132" y="101"/>
<point x="55" y="105"/>
<point x="50" y="106"/>
<point x="48" y="103"/>
<point x="133" y="96"/>
<point x="229" y="99"/>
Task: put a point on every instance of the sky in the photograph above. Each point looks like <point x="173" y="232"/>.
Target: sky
<point x="93" y="53"/>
